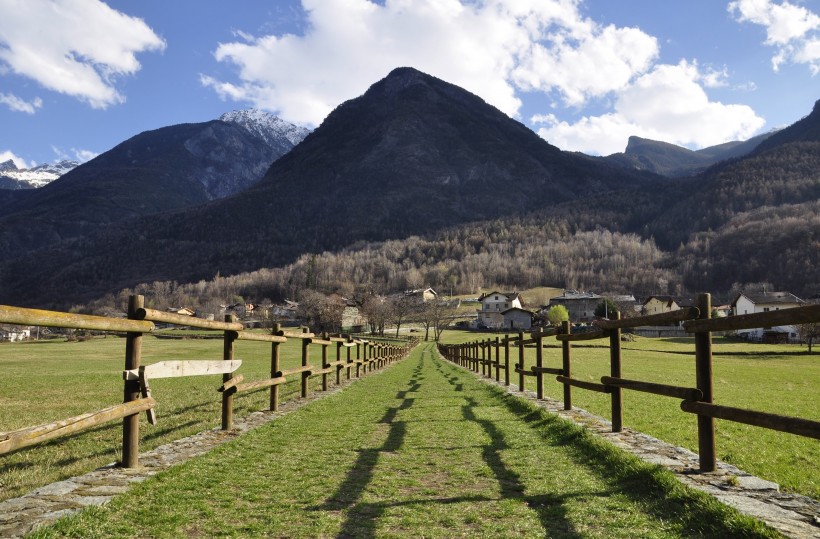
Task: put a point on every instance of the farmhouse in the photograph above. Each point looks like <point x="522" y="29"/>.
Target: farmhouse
<point x="762" y="302"/>
<point x="421" y="294"/>
<point x="493" y="305"/>
<point x="665" y="304"/>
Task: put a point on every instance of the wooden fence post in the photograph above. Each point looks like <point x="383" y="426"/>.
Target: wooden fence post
<point x="305" y="363"/>
<point x="227" y="396"/>
<point x="539" y="363"/>
<point x="497" y="359"/>
<point x="274" y="368"/>
<point x="566" y="349"/>
<point x="615" y="372"/>
<point x="703" y="374"/>
<point x="520" y="361"/>
<point x="506" y="360"/>
<point x="358" y="358"/>
<point x="131" y="391"/>
<point x="325" y="365"/>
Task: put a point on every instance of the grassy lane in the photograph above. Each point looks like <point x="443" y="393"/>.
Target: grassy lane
<point x="420" y="450"/>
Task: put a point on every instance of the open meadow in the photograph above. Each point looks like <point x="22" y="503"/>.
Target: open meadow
<point x="46" y="381"/>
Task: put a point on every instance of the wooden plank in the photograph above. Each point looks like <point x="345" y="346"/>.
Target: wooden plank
<point x="685" y="393"/>
<point x="295" y="335"/>
<point x="524" y="372"/>
<point x="544" y="332"/>
<point x="322" y="342"/>
<point x="547" y="370"/>
<point x="660" y="319"/>
<point x="260" y="384"/>
<point x="322" y="371"/>
<point x="174" y="369"/>
<point x="591" y="386"/>
<point x="261" y="337"/>
<point x="792" y="425"/>
<point x="55" y="319"/>
<point x="783" y="317"/>
<point x="183" y="320"/>
<point x="585" y="336"/>
<point x="296" y="370"/>
<point x="33" y="435"/>
<point x="233" y="382"/>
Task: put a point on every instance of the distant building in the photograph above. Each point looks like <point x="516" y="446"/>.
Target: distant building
<point x="422" y="294"/>
<point x="517" y="318"/>
<point x="665" y="304"/>
<point x="493" y="305"/>
<point x="14" y="333"/>
<point x="762" y="302"/>
<point x="580" y="305"/>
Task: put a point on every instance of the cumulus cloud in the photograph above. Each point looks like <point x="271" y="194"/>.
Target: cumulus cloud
<point x="20" y="105"/>
<point x="19" y="162"/>
<point x="496" y="49"/>
<point x="667" y="104"/>
<point x="80" y="49"/>
<point x="74" y="154"/>
<point x="793" y="30"/>
<point x="493" y="48"/>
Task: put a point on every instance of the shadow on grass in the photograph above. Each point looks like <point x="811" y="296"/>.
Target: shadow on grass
<point x="652" y="487"/>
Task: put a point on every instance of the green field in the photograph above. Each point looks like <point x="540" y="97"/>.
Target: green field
<point x="422" y="449"/>
<point x="47" y="381"/>
<point x="780" y="379"/>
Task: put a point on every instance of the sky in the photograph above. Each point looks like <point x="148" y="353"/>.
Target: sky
<point x="78" y="77"/>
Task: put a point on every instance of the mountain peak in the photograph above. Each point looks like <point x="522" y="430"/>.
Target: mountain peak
<point x="266" y="126"/>
<point x="8" y="166"/>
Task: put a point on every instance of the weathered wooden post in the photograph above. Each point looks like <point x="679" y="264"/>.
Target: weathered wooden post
<point x="131" y="390"/>
<point x="358" y="359"/>
<point x="703" y="374"/>
<point x="615" y="372"/>
<point x="325" y="365"/>
<point x="305" y="363"/>
<point x="274" y="368"/>
<point x="497" y="359"/>
<point x="506" y="360"/>
<point x="566" y="349"/>
<point x="539" y="364"/>
<point x="227" y="396"/>
<point x="521" y="361"/>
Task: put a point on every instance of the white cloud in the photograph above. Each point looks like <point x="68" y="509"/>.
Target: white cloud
<point x="19" y="162"/>
<point x="75" y="47"/>
<point x="667" y="104"/>
<point x="74" y="154"/>
<point x="793" y="30"/>
<point x="20" y="105"/>
<point x="493" y="48"/>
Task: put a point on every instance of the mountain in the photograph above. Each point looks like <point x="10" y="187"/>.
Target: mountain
<point x="156" y="171"/>
<point x="674" y="161"/>
<point x="280" y="135"/>
<point x="13" y="178"/>
<point x="412" y="155"/>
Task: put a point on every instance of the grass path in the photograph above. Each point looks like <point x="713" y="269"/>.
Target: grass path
<point x="420" y="450"/>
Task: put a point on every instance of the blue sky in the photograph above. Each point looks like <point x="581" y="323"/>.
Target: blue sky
<point x="77" y="77"/>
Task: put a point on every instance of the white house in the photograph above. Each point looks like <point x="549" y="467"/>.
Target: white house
<point x="493" y="305"/>
<point x="762" y="302"/>
<point x="14" y="333"/>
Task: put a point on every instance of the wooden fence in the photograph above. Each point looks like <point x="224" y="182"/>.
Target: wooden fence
<point x="491" y="355"/>
<point x="137" y="398"/>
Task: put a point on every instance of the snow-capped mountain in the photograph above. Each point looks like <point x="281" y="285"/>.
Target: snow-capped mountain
<point x="277" y="133"/>
<point x="12" y="177"/>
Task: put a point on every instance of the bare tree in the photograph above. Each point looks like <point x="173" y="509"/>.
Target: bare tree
<point x="809" y="332"/>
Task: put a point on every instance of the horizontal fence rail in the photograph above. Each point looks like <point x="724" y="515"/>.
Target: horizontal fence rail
<point x="137" y="397"/>
<point x="478" y="356"/>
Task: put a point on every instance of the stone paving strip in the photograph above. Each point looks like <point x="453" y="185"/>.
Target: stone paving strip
<point x="793" y="515"/>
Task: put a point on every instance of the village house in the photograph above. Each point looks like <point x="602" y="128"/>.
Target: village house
<point x="517" y="318"/>
<point x="761" y="302"/>
<point x="493" y="306"/>
<point x="665" y="304"/>
<point x="14" y="333"/>
<point x="580" y="305"/>
<point x="421" y="294"/>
